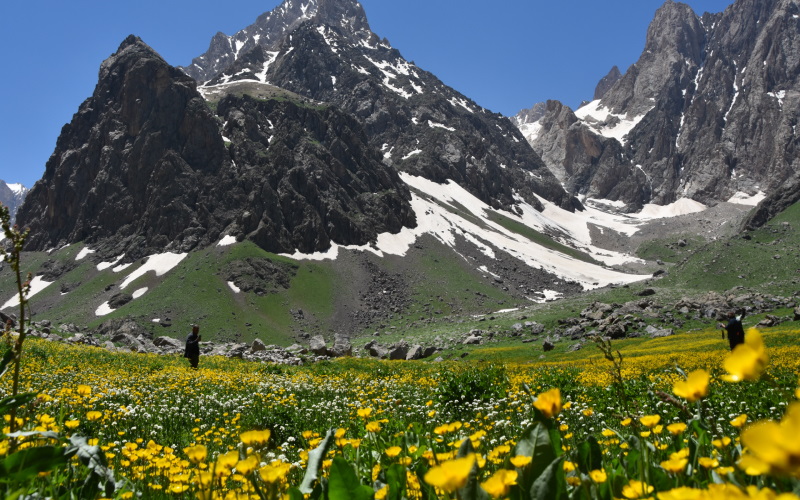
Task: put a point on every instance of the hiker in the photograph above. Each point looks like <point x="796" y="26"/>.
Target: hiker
<point x="734" y="328"/>
<point x="193" y="347"/>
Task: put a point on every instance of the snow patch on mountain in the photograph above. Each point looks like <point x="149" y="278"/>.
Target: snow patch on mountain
<point x="606" y="123"/>
<point x="159" y="263"/>
<point x="37" y="285"/>
<point x="741" y="198"/>
<point x="437" y="207"/>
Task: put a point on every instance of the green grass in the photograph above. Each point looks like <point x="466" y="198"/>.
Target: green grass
<point x="666" y="249"/>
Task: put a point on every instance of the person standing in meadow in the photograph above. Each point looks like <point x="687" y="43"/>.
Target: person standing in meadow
<point x="734" y="328"/>
<point x="192" y="350"/>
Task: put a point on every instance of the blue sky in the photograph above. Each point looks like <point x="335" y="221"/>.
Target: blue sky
<point x="505" y="55"/>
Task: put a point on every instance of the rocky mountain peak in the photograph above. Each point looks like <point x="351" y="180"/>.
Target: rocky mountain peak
<point x="12" y="195"/>
<point x="271" y="28"/>
<point x="605" y="83"/>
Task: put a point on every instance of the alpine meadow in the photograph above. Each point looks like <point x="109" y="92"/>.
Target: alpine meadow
<point x="397" y="293"/>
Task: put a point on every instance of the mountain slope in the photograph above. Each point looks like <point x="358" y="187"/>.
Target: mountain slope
<point x="422" y="126"/>
<point x="708" y="112"/>
<point x="144" y="168"/>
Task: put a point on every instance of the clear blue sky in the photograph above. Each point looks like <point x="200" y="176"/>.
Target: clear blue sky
<point x="505" y="55"/>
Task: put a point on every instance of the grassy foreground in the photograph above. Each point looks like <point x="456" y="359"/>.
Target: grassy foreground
<point x="592" y="426"/>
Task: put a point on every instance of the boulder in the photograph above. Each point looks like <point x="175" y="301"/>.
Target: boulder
<point x="316" y="345"/>
<point x="548" y="346"/>
<point x="399" y="350"/>
<point x="257" y="346"/>
<point x="341" y="346"/>
<point x="168" y="343"/>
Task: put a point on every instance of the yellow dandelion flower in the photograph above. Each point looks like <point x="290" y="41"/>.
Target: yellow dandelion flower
<point x="274" y="472"/>
<point x="636" y="489"/>
<point x="255" y="438"/>
<point x="694" y="388"/>
<point x="650" y="421"/>
<point x="246" y="466"/>
<point x="708" y="462"/>
<point x="748" y="360"/>
<point x="682" y="493"/>
<point x="500" y="483"/>
<point x="774" y="445"/>
<point x="84" y="390"/>
<point x="739" y="421"/>
<point x="676" y="428"/>
<point x="93" y="416"/>
<point x="675" y="465"/>
<point x="626" y="422"/>
<point x="374" y="426"/>
<point x="364" y="412"/>
<point x="196" y="453"/>
<point x="72" y="424"/>
<point x="393" y="451"/>
<point x="549" y="403"/>
<point x="452" y="475"/>
<point x="598" y="476"/>
<point x="520" y="461"/>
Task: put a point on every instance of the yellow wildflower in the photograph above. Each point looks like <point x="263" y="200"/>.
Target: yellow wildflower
<point x="500" y="483"/>
<point x="255" y="438"/>
<point x="675" y="464"/>
<point x="364" y="412"/>
<point x="393" y="451"/>
<point x="676" y="428"/>
<point x="682" y="493"/>
<point x="93" y="416"/>
<point x="739" y="421"/>
<point x="451" y="475"/>
<point x="598" y="476"/>
<point x="772" y="446"/>
<point x="84" y="390"/>
<point x="520" y="461"/>
<point x="650" y="421"/>
<point x="695" y="386"/>
<point x="549" y="403"/>
<point x="196" y="454"/>
<point x="274" y="472"/>
<point x="708" y="462"/>
<point x="636" y="489"/>
<point x="748" y="360"/>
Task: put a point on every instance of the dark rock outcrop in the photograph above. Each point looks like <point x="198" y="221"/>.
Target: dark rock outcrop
<point x="710" y="109"/>
<point x="422" y="126"/>
<point x="146" y="166"/>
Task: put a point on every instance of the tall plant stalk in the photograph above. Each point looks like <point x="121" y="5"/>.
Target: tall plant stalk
<point x="11" y="254"/>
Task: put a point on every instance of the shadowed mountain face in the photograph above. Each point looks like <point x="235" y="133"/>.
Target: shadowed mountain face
<point x="708" y="111"/>
<point x="143" y="167"/>
<point x="12" y="196"/>
<point x="421" y="126"/>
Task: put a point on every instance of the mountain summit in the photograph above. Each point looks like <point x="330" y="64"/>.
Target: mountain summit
<point x="323" y="50"/>
<point x="708" y="112"/>
<point x="271" y="28"/>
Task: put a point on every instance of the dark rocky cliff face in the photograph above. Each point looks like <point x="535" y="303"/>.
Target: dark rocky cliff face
<point x="143" y="168"/>
<point x="716" y="101"/>
<point x="422" y="126"/>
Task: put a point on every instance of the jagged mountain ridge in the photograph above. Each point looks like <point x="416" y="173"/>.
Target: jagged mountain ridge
<point x="422" y="126"/>
<point x="12" y="195"/>
<point x="707" y="112"/>
<point x="143" y="167"/>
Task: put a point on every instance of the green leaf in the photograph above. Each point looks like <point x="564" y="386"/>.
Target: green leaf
<point x="343" y="484"/>
<point x="6" y="404"/>
<point x="590" y="457"/>
<point x="315" y="463"/>
<point x="26" y="464"/>
<point x="396" y="479"/>
<point x="93" y="458"/>
<point x="535" y="443"/>
<point x="551" y="483"/>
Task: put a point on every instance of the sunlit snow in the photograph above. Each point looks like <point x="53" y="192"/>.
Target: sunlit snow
<point x="37" y="285"/>
<point x="233" y="287"/>
<point x="227" y="240"/>
<point x="83" y="253"/>
<point x="159" y="263"/>
<point x="445" y="225"/>
<point x="596" y="116"/>
<point x="741" y="198"/>
<point x="105" y="265"/>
